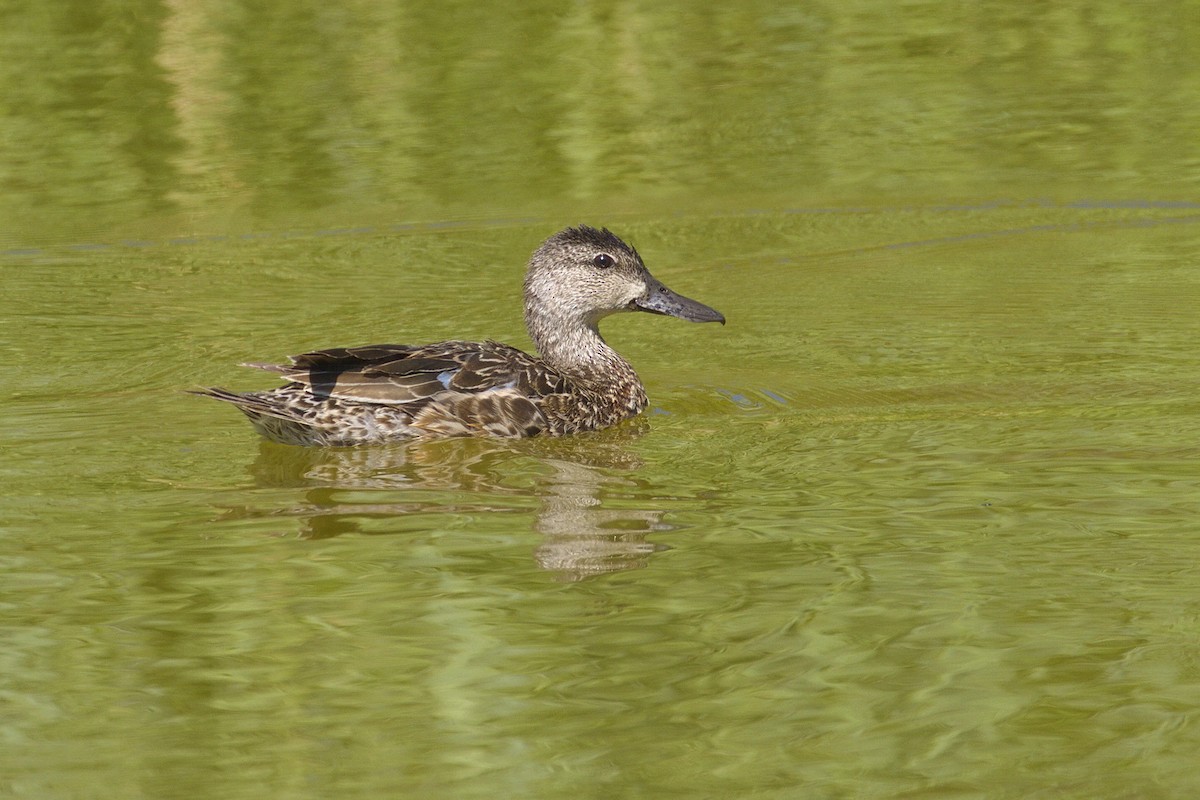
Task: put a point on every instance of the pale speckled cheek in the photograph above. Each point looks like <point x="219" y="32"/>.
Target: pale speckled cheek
<point x="632" y="292"/>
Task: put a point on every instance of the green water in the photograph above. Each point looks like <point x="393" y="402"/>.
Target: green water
<point x="920" y="521"/>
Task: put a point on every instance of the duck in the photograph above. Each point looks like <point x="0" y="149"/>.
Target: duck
<point x="346" y="396"/>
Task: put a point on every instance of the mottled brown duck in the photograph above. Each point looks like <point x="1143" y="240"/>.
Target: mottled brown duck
<point x="387" y="392"/>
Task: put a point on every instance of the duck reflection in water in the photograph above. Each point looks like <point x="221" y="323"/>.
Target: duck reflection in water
<point x="567" y="478"/>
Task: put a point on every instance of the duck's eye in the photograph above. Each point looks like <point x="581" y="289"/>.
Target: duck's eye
<point x="604" y="261"/>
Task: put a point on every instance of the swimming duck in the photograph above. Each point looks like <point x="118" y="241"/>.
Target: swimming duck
<point x="386" y="392"/>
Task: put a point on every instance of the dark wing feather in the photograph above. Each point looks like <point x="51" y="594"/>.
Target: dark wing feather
<point x="391" y="374"/>
<point x="339" y="358"/>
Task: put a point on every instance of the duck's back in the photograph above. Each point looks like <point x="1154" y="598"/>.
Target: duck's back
<point x="360" y="395"/>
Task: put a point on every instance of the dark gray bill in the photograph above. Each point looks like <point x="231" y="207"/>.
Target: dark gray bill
<point x="658" y="299"/>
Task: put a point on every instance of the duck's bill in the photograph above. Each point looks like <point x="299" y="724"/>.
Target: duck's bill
<point x="658" y="299"/>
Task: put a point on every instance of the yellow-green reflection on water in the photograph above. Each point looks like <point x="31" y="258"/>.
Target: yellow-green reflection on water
<point x="920" y="521"/>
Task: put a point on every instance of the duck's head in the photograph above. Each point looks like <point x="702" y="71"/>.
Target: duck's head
<point x="581" y="275"/>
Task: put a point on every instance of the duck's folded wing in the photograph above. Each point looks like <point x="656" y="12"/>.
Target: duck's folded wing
<point x="394" y="374"/>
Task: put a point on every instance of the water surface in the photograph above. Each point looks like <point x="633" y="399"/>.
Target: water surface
<point x="920" y="521"/>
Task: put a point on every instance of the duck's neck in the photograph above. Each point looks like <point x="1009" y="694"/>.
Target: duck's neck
<point x="575" y="347"/>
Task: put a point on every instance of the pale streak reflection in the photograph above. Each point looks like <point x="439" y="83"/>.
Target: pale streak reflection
<point x="359" y="490"/>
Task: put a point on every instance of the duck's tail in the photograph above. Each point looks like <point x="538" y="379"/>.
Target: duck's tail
<point x="252" y="404"/>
